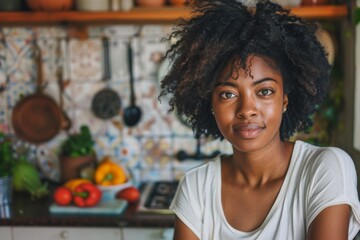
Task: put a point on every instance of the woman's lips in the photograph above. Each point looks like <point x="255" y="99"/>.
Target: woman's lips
<point x="248" y="130"/>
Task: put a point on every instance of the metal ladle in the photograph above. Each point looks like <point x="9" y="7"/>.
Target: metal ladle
<point x="132" y="113"/>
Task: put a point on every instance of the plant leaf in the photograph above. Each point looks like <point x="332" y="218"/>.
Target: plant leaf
<point x="357" y="15"/>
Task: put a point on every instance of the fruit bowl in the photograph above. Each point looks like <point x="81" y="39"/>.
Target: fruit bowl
<point x="50" y="5"/>
<point x="109" y="192"/>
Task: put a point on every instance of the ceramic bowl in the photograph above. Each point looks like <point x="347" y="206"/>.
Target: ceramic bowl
<point x="109" y="192"/>
<point x="50" y="5"/>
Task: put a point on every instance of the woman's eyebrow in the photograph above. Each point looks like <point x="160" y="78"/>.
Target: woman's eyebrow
<point x="264" y="80"/>
<point x="225" y="83"/>
<point x="233" y="84"/>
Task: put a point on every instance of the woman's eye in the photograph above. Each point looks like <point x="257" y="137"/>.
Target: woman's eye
<point x="266" y="92"/>
<point x="227" y="95"/>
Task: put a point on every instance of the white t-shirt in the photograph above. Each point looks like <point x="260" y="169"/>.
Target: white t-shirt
<point x="316" y="178"/>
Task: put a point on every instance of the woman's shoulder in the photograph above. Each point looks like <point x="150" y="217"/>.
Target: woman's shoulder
<point x="319" y="156"/>
<point x="205" y="169"/>
<point x="199" y="181"/>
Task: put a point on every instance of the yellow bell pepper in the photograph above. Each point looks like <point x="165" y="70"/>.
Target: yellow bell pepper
<point x="73" y="183"/>
<point x="108" y="173"/>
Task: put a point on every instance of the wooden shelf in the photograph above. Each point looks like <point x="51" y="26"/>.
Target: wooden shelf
<point x="321" y="12"/>
<point x="143" y="15"/>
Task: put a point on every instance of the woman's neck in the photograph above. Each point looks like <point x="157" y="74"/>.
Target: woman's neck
<point x="260" y="167"/>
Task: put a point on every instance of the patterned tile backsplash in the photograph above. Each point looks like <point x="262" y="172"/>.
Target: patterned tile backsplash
<point x="149" y="149"/>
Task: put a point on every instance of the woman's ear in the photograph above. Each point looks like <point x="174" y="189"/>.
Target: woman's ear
<point x="285" y="103"/>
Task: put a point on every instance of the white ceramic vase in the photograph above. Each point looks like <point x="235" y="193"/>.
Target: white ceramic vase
<point x="92" y="5"/>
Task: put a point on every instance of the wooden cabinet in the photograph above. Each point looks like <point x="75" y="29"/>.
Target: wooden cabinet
<point x="76" y="233"/>
<point x="68" y="233"/>
<point x="148" y="233"/>
<point x="144" y="15"/>
<point x="5" y="233"/>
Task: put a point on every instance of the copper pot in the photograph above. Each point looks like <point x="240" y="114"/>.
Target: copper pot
<point x="37" y="118"/>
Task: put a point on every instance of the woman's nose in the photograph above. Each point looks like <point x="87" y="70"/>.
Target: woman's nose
<point x="246" y="107"/>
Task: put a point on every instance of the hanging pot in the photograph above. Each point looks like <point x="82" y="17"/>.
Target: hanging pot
<point x="106" y="103"/>
<point x="36" y="118"/>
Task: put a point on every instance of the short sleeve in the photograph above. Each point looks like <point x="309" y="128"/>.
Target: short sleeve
<point x="333" y="182"/>
<point x="187" y="203"/>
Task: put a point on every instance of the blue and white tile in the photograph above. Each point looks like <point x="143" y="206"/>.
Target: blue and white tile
<point x="82" y="94"/>
<point x="19" y="59"/>
<point x="18" y="33"/>
<point x="188" y="145"/>
<point x="47" y="157"/>
<point x="157" y="152"/>
<point x="223" y="146"/>
<point x="155" y="119"/>
<point x="154" y="30"/>
<point x="50" y="59"/>
<point x="16" y="90"/>
<point x="5" y="117"/>
<point x="22" y="148"/>
<point x="83" y="116"/>
<point x="128" y="152"/>
<point x="123" y="31"/>
<point x="119" y="59"/>
<point x="52" y="32"/>
<point x="109" y="138"/>
<point x="178" y="128"/>
<point x="85" y="58"/>
<point x="152" y="52"/>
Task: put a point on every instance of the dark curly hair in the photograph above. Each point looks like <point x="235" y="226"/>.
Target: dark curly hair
<point x="221" y="30"/>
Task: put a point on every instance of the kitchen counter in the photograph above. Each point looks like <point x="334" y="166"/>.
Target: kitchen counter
<point x="26" y="212"/>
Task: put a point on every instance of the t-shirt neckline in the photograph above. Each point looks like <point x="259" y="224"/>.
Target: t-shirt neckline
<point x="274" y="207"/>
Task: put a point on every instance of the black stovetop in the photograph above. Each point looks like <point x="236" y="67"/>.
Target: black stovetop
<point x="157" y="196"/>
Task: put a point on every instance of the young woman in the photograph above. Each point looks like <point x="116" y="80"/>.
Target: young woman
<point x="254" y="75"/>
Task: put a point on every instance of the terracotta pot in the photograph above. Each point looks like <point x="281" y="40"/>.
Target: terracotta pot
<point x="76" y="167"/>
<point x="177" y="3"/>
<point x="150" y="3"/>
<point x="50" y="5"/>
<point x="313" y="2"/>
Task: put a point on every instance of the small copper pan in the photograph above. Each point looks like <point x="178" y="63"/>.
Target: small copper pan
<point x="36" y="118"/>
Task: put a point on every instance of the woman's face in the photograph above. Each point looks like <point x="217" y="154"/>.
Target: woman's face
<point x="248" y="106"/>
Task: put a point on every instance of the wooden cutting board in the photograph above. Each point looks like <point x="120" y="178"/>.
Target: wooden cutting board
<point x="113" y="207"/>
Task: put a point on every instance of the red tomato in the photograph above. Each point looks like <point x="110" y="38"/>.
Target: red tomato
<point x="62" y="196"/>
<point x="130" y="194"/>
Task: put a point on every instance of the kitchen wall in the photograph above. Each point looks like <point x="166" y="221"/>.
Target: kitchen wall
<point x="148" y="149"/>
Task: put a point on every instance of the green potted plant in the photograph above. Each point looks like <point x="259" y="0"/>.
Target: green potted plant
<point x="77" y="155"/>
